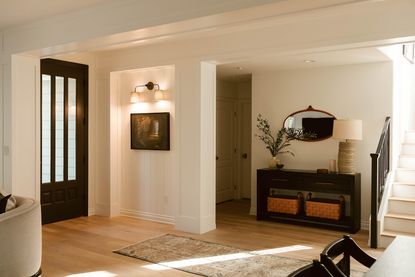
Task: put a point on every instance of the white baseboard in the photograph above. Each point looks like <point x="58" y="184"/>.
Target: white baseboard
<point x="188" y="224"/>
<point x="148" y="216"/>
<point x="364" y="225"/>
<point x="102" y="209"/>
<point x="208" y="224"/>
<point x="115" y="209"/>
<point x="252" y="211"/>
<point x="91" y="211"/>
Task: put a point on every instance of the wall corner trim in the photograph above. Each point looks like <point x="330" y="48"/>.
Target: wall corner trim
<point x="1" y="42"/>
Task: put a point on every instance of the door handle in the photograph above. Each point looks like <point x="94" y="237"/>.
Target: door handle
<point x="217" y="158"/>
<point x="244" y="156"/>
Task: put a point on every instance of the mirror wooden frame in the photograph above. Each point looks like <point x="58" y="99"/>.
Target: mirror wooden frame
<point x="310" y="109"/>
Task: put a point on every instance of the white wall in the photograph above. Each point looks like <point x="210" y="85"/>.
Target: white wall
<point x="2" y="185"/>
<point x="6" y="122"/>
<point x="403" y="117"/>
<point x="25" y="137"/>
<point x="175" y="186"/>
<point x="362" y="91"/>
<point x="206" y="152"/>
<point x="147" y="177"/>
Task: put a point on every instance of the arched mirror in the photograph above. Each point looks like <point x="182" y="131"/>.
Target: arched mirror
<point x="317" y="122"/>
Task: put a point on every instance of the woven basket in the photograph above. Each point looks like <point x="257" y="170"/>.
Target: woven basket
<point x="325" y="208"/>
<point x="286" y="204"/>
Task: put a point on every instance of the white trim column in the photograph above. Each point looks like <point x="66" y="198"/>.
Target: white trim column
<point x="103" y="147"/>
<point x="115" y="144"/>
<point x="196" y="115"/>
<point x="6" y="123"/>
<point x="3" y="69"/>
<point x="25" y="126"/>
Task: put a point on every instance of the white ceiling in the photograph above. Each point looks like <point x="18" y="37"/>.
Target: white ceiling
<point x="16" y="12"/>
<point x="241" y="70"/>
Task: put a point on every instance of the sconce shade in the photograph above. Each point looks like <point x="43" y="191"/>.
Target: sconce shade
<point x="347" y="129"/>
<point x="158" y="95"/>
<point x="134" y="97"/>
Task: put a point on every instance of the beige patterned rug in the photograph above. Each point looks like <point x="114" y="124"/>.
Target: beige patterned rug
<point x="211" y="259"/>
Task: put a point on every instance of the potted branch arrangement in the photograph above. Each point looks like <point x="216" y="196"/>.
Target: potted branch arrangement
<point x="277" y="144"/>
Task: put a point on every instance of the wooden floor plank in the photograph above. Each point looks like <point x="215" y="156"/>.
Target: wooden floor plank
<point x="85" y="244"/>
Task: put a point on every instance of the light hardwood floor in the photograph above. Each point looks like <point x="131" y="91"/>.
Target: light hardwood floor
<point x="85" y="245"/>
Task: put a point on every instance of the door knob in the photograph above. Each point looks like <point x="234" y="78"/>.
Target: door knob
<point x="245" y="156"/>
<point x="217" y="158"/>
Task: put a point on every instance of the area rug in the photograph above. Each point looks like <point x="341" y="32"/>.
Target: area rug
<point x="210" y="259"/>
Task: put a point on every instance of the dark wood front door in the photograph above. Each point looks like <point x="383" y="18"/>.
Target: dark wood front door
<point x="64" y="142"/>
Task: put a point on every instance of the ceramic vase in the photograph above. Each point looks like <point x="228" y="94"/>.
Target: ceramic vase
<point x="273" y="162"/>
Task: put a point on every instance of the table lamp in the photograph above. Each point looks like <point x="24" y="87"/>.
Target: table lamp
<point x="348" y="130"/>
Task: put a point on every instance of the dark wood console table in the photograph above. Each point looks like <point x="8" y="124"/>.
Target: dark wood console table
<point x="310" y="181"/>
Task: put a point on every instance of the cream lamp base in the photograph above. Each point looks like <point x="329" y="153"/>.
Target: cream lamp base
<point x="346" y="158"/>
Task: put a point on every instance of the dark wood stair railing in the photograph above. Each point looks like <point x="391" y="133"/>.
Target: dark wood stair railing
<point x="380" y="171"/>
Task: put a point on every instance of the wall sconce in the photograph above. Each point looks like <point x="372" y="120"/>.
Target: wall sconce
<point x="158" y="94"/>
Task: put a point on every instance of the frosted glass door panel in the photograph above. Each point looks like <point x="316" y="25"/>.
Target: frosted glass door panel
<point x="71" y="129"/>
<point x="59" y="128"/>
<point x="46" y="127"/>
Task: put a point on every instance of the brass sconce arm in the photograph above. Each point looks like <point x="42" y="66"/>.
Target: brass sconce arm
<point x="149" y="86"/>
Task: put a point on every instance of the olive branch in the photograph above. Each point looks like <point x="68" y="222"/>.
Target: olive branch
<point x="277" y="144"/>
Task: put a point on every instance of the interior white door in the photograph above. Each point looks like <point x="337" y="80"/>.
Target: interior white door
<point x="225" y="150"/>
<point x="245" y="163"/>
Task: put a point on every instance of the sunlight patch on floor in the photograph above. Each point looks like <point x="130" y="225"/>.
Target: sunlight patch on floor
<point x="222" y="258"/>
<point x="280" y="250"/>
<point x="93" y="274"/>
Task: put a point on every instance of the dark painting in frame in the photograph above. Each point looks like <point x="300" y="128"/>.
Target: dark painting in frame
<point x="150" y="131"/>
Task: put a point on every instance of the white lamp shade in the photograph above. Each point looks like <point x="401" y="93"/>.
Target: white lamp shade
<point x="134" y="97"/>
<point x="347" y="129"/>
<point x="158" y="95"/>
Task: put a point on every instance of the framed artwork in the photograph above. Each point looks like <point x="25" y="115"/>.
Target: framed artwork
<point x="408" y="52"/>
<point x="150" y="131"/>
